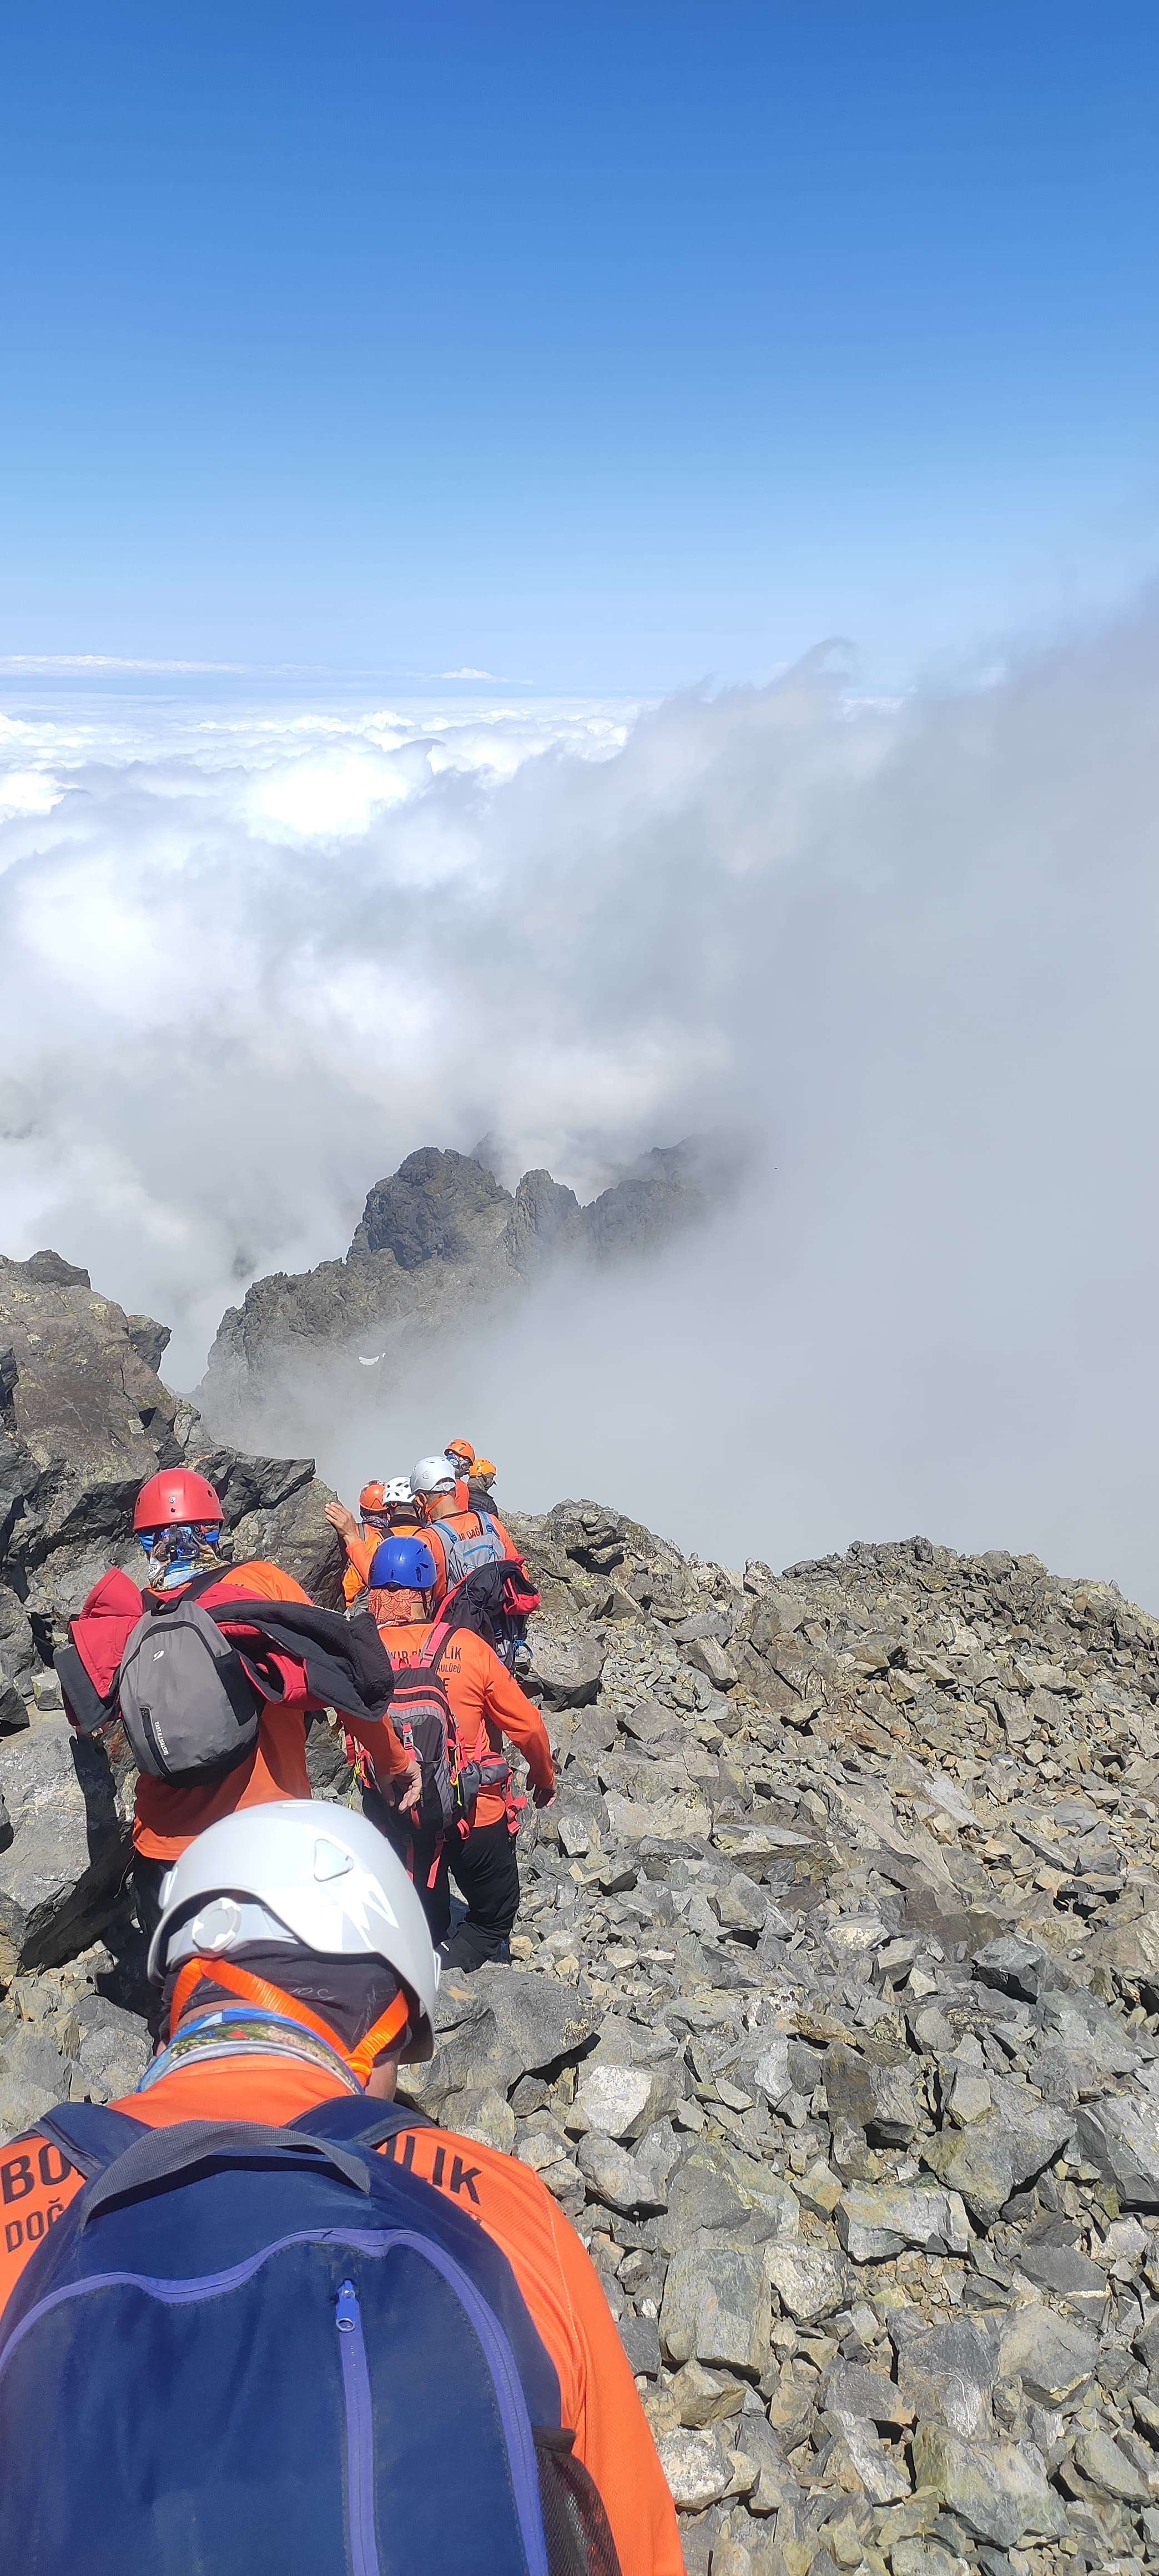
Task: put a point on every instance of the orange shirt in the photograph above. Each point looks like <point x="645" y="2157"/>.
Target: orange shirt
<point x="360" y="1552"/>
<point x="598" y="2395"/>
<point x="166" y="1819"/>
<point x="485" y="1702"/>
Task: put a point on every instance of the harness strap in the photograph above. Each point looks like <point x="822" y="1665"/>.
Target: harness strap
<point x="442" y="1630"/>
<point x="258" y="1990"/>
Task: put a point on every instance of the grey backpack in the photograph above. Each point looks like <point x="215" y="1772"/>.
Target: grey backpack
<point x="465" y="1555"/>
<point x="189" y="1704"/>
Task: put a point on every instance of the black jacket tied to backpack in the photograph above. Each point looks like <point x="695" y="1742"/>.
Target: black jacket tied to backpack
<point x="192" y="1677"/>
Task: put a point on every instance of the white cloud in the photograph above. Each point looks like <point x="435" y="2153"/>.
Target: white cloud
<point x="28" y="791"/>
<point x="252" y="956"/>
<point x="80" y="662"/>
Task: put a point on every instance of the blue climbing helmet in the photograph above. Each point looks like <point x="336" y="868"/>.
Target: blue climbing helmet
<point x="403" y="1565"/>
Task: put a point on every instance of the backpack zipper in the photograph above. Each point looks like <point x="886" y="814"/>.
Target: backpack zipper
<point x="359" y="2434"/>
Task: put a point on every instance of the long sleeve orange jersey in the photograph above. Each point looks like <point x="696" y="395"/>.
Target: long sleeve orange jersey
<point x="360" y="1553"/>
<point x="485" y="1702"/>
<point x="598" y="2395"/>
<point x="166" y="1819"/>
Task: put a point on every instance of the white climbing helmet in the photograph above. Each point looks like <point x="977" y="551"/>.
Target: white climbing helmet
<point x="397" y="1489"/>
<point x="433" y="1476"/>
<point x="308" y="1873"/>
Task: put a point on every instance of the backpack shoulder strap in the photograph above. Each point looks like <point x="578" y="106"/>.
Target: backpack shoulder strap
<point x="358" y="2123"/>
<point x="160" y="1605"/>
<point x="429" y="1659"/>
<point x="90" y="2134"/>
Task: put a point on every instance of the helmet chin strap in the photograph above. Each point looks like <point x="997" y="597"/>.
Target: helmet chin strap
<point x="258" y="1990"/>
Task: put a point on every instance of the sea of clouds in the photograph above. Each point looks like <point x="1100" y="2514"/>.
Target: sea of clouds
<point x="253" y="953"/>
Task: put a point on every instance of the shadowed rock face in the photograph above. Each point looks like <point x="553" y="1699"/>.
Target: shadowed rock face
<point x="84" y="1418"/>
<point x="428" y="1210"/>
<point x="439" y="1237"/>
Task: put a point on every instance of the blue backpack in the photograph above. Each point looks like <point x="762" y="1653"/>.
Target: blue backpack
<point x="243" y="2348"/>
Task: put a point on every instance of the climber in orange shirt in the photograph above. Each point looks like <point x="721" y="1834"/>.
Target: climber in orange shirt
<point x="459" y="1539"/>
<point x="462" y="1459"/>
<point x="178" y="1519"/>
<point x="297" y="1982"/>
<point x="486" y="1705"/>
<point x="384" y="1507"/>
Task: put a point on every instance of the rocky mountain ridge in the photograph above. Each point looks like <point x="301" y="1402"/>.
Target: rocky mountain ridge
<point x="833" y="2021"/>
<point x="437" y="1239"/>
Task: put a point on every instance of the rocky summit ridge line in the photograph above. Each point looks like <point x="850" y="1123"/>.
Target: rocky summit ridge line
<point x="438" y="1239"/>
<point x="834" y="2017"/>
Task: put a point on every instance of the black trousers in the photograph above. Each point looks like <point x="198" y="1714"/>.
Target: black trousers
<point x="147" y="1876"/>
<point x="485" y="1870"/>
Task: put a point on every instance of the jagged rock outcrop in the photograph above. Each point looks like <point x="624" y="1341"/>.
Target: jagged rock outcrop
<point x="439" y="1237"/>
<point x="84" y="1418"/>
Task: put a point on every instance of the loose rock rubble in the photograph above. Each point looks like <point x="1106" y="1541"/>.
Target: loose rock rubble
<point x="833" y="2024"/>
<point x="855" y="1872"/>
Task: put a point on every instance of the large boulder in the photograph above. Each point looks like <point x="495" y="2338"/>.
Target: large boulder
<point x="275" y="1508"/>
<point x="84" y="1418"/>
<point x="17" y="1656"/>
<point x="65" y="1866"/>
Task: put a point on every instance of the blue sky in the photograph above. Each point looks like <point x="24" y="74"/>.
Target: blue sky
<point x="602" y="348"/>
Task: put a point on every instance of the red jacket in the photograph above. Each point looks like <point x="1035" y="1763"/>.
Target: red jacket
<point x="165" y="1818"/>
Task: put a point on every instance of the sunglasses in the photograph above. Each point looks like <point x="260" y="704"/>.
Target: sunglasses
<point x="187" y="1536"/>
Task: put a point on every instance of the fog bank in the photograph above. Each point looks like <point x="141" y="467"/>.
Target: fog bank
<point x="250" y="960"/>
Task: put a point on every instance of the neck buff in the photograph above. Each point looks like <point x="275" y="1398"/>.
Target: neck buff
<point x="245" y="2030"/>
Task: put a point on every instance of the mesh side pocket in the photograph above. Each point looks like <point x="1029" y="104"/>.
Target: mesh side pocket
<point x="576" y="2527"/>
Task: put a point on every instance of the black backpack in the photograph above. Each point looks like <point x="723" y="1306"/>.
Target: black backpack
<point x="422" y="1716"/>
<point x="496" y="1602"/>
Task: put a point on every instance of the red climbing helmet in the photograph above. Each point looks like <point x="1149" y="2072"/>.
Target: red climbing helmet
<point x="176" y="1494"/>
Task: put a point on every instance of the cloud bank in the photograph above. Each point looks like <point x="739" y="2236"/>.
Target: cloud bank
<point x="251" y="957"/>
